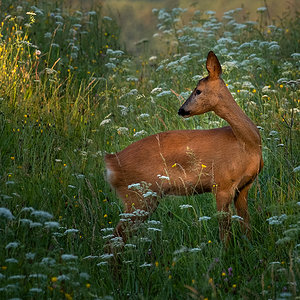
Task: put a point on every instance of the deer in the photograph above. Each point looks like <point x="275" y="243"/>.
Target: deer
<point x="223" y="161"/>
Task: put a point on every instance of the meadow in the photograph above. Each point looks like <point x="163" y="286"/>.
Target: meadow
<point x="69" y="94"/>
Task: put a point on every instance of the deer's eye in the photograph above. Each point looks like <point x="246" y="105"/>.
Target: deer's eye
<point x="198" y="92"/>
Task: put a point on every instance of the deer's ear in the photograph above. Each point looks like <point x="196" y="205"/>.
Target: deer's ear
<point x="213" y="66"/>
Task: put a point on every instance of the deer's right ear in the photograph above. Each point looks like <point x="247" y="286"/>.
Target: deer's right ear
<point x="213" y="66"/>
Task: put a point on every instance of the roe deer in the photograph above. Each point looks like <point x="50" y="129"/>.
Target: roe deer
<point x="224" y="161"/>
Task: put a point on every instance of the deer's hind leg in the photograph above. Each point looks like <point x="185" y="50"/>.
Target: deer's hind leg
<point x="241" y="205"/>
<point x="136" y="210"/>
<point x="224" y="199"/>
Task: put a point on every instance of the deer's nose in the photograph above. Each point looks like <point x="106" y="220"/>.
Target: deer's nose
<point x="182" y="112"/>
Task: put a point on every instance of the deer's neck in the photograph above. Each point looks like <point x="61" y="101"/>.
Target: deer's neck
<point x="243" y="128"/>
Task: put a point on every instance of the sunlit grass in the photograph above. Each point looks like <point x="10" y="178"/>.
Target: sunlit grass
<point x="59" y="114"/>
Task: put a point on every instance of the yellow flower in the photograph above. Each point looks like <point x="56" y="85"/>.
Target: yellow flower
<point x="68" y="296"/>
<point x="234" y="286"/>
<point x="223" y="274"/>
<point x="209" y="241"/>
<point x="12" y="158"/>
<point x="254" y="91"/>
<point x="4" y="268"/>
<point x="210" y="280"/>
<point x="170" y="276"/>
<point x="174" y="165"/>
<point x="156" y="264"/>
<point x="105" y="216"/>
<point x="203" y="166"/>
<point x="281" y="86"/>
<point x="54" y="279"/>
<point x="238" y="91"/>
<point x="88" y="285"/>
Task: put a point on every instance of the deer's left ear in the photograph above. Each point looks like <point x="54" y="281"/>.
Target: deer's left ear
<point x="213" y="66"/>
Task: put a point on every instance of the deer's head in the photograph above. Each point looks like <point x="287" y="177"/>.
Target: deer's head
<point x="207" y="93"/>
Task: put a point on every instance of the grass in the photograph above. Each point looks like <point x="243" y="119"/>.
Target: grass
<point x="59" y="114"/>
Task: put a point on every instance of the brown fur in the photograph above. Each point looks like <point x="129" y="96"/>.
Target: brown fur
<point x="224" y="161"/>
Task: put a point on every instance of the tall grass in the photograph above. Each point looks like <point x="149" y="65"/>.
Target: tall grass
<point x="59" y="114"/>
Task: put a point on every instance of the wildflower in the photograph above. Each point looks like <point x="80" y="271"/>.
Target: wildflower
<point x="5" y="213"/>
<point x="12" y="158"/>
<point x="154" y="229"/>
<point x="30" y="255"/>
<point x="183" y="206"/>
<point x="156" y="264"/>
<point x="88" y="285"/>
<point x="105" y="216"/>
<point x="139" y="133"/>
<point x="36" y="290"/>
<point x="68" y="257"/>
<point x="234" y="286"/>
<point x="41" y="214"/>
<point x="236" y="217"/>
<point x="149" y="193"/>
<point x="68" y="296"/>
<point x="163" y="177"/>
<point x="203" y="166"/>
<point x="173" y="166"/>
<point x="156" y="90"/>
<point x="209" y="241"/>
<point x="144" y="265"/>
<point x="223" y="274"/>
<point x="71" y="230"/>
<point x="204" y="218"/>
<point x="105" y="121"/>
<point x="277" y="220"/>
<point x="12" y="245"/>
<point x="51" y="224"/>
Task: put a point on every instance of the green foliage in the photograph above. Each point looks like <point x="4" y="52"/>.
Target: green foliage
<point x="59" y="114"/>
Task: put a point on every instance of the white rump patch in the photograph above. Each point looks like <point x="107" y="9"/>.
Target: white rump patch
<point x="109" y="175"/>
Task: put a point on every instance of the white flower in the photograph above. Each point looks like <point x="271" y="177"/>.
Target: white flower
<point x="261" y="9"/>
<point x="106" y="256"/>
<point x="71" y="230"/>
<point x="41" y="214"/>
<point x="107" y="229"/>
<point x="143" y="116"/>
<point x="11" y="260"/>
<point x="204" y="218"/>
<point x="163" y="177"/>
<point x="134" y="186"/>
<point x="277" y="220"/>
<point x="68" y="257"/>
<point x="105" y="237"/>
<point x="236" y="217"/>
<point x="63" y="277"/>
<point x="139" y="133"/>
<point x="105" y="121"/>
<point x="122" y="130"/>
<point x="12" y="245"/>
<point x="5" y="213"/>
<point x="156" y="90"/>
<point x="30" y="255"/>
<point x="154" y="229"/>
<point x="164" y="93"/>
<point x="297" y="169"/>
<point x="183" y="206"/>
<point x="36" y="290"/>
<point x="144" y="265"/>
<point x="51" y="224"/>
<point x="149" y="193"/>
<point x="38" y="275"/>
